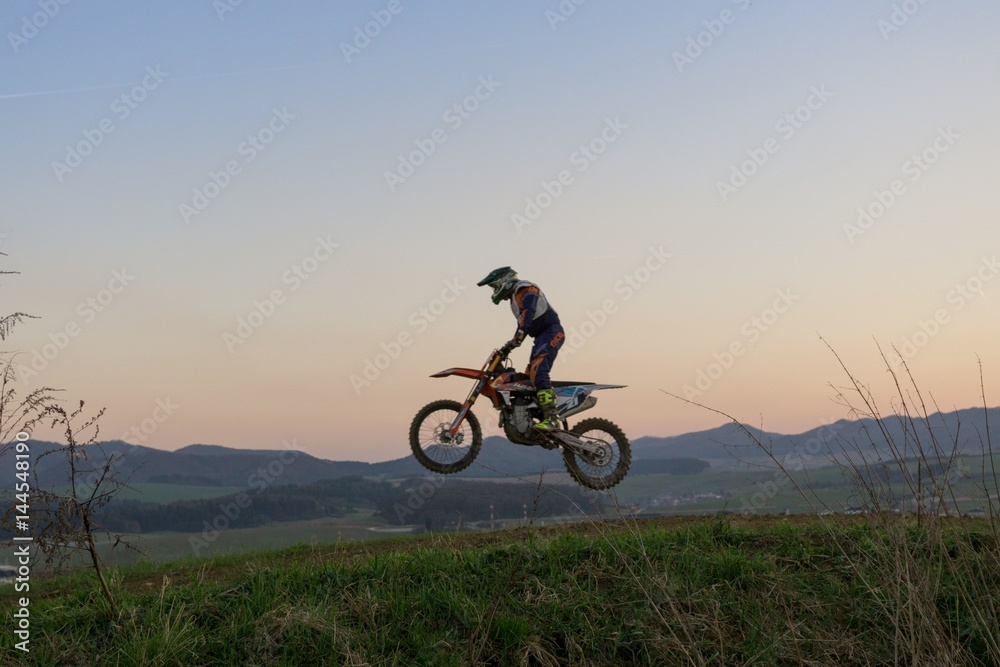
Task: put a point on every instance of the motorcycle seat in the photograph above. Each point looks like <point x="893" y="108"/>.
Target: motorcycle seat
<point x="524" y="377"/>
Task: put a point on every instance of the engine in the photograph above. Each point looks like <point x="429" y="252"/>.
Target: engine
<point x="520" y="417"/>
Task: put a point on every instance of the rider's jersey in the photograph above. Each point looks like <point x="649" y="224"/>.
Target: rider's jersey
<point x="531" y="308"/>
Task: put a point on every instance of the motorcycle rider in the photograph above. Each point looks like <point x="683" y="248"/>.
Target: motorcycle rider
<point x="535" y="318"/>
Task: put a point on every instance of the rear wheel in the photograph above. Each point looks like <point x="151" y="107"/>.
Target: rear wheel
<point x="603" y="470"/>
<point x="435" y="448"/>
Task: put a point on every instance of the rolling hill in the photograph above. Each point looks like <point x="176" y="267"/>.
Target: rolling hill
<point x="725" y="446"/>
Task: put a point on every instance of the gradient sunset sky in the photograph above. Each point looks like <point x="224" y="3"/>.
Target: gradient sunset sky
<point x="685" y="180"/>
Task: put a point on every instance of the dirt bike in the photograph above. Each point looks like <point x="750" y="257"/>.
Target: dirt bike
<point x="445" y="435"/>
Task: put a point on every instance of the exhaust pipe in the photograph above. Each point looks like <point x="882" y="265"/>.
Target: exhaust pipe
<point x="586" y="405"/>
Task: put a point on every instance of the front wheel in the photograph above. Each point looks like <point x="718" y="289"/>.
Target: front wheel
<point x="435" y="448"/>
<point x="599" y="471"/>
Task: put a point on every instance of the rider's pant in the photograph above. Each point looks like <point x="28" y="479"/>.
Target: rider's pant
<point x="543" y="353"/>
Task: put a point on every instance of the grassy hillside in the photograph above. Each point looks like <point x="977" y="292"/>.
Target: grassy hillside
<point x="763" y="591"/>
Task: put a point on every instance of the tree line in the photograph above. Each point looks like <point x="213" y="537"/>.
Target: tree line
<point x="437" y="504"/>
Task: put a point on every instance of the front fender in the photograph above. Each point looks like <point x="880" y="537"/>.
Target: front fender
<point x="471" y="373"/>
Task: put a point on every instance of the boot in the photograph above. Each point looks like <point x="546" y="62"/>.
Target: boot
<point x="547" y="402"/>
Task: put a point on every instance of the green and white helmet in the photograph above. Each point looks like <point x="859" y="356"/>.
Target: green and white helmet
<point x="502" y="281"/>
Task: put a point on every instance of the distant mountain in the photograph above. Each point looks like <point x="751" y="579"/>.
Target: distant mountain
<point x="845" y="438"/>
<point x="214" y="465"/>
<point x="206" y="465"/>
<point x="717" y="444"/>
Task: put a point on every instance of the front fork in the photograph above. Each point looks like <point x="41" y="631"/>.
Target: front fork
<point x="466" y="406"/>
<point x="473" y="395"/>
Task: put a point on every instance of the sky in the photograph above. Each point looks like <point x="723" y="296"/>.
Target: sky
<point x="248" y="223"/>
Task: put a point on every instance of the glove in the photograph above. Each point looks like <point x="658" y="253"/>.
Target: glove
<point x="512" y="343"/>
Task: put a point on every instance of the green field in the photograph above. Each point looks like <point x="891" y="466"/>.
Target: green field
<point x="749" y="591"/>
<point x="167" y="546"/>
<point x="774" y="492"/>
<point x="170" y="546"/>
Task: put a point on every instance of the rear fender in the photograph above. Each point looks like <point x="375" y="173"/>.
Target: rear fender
<point x="576" y="398"/>
<point x="584" y="390"/>
<point x="596" y="387"/>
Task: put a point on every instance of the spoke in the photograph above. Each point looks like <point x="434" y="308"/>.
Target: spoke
<point x="430" y="438"/>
